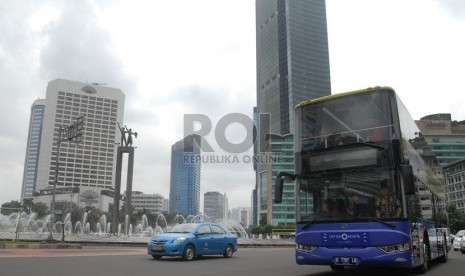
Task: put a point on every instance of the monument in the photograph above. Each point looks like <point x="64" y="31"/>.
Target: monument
<point x="124" y="147"/>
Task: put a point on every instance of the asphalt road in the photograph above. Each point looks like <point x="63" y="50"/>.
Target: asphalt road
<point x="115" y="261"/>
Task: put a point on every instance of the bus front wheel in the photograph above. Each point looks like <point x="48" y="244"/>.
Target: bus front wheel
<point x="423" y="268"/>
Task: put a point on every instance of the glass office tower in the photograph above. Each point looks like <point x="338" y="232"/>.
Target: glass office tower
<point x="292" y="66"/>
<point x="185" y="176"/>
<point x="292" y="57"/>
<point x="33" y="149"/>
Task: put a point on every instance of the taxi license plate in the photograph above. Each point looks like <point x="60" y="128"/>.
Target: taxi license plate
<point x="346" y="261"/>
<point x="157" y="248"/>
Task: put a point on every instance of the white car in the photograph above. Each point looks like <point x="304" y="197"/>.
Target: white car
<point x="457" y="239"/>
<point x="462" y="246"/>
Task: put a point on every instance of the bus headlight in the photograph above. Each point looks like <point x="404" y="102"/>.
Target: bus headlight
<point x="305" y="247"/>
<point x="395" y="248"/>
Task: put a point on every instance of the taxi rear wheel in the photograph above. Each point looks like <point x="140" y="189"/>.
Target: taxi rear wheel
<point x="229" y="251"/>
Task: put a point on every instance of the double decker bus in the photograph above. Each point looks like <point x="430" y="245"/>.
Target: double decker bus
<point x="360" y="164"/>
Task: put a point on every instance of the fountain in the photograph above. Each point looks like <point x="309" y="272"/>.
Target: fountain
<point x="177" y="217"/>
<point x="29" y="227"/>
<point x="103" y="224"/>
<point x="161" y="221"/>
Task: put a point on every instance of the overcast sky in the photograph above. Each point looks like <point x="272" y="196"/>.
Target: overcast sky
<point x="172" y="58"/>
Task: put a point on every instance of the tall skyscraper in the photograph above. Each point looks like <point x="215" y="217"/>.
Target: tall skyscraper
<point x="90" y="163"/>
<point x="292" y="66"/>
<point x="292" y="57"/>
<point x="185" y="176"/>
<point x="31" y="162"/>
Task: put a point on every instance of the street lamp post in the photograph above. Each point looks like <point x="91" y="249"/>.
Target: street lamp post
<point x="73" y="133"/>
<point x="57" y="165"/>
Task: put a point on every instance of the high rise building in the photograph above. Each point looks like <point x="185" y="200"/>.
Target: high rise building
<point x="185" y="176"/>
<point x="292" y="57"/>
<point x="87" y="167"/>
<point x="33" y="149"/>
<point x="292" y="66"/>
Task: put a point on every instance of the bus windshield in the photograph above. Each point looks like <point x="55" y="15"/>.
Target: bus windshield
<point x="343" y="159"/>
<point x="353" y="195"/>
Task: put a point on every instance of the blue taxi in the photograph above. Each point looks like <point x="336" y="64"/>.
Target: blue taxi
<point x="190" y="240"/>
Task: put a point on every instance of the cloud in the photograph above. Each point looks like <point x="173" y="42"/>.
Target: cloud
<point x="77" y="48"/>
<point x="456" y="8"/>
<point x="41" y="41"/>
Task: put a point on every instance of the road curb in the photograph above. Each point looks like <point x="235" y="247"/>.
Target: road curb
<point x="41" y="246"/>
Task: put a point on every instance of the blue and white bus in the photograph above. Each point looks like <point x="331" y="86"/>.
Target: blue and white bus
<point x="360" y="162"/>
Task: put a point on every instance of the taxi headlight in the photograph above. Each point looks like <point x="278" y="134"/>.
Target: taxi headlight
<point x="179" y="240"/>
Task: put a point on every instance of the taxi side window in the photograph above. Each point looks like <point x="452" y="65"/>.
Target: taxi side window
<point x="204" y="229"/>
<point x="217" y="229"/>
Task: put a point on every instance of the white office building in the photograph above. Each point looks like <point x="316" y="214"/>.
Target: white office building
<point x="92" y="162"/>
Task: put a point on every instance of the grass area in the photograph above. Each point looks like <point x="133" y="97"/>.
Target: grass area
<point x="18" y="242"/>
<point x="35" y="244"/>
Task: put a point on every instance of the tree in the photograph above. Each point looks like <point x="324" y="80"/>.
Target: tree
<point x="255" y="230"/>
<point x="263" y="219"/>
<point x="11" y="207"/>
<point x="169" y="217"/>
<point x="93" y="216"/>
<point x="41" y="209"/>
<point x="27" y="205"/>
<point x="456" y="219"/>
<point x="73" y="208"/>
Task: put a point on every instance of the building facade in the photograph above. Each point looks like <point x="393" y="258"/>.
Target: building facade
<point x="185" y="176"/>
<point x="153" y="203"/>
<point x="226" y="207"/>
<point x="292" y="66"/>
<point x="31" y="162"/>
<point x="454" y="177"/>
<point x="213" y="205"/>
<point x="445" y="137"/>
<point x="446" y="142"/>
<point x="92" y="162"/>
<point x="85" y="197"/>
<point x="282" y="149"/>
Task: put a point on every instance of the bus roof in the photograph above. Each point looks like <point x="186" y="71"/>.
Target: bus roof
<point x="343" y="94"/>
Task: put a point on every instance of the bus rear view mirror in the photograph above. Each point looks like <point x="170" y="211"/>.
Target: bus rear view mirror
<point x="279" y="185"/>
<point x="408" y="179"/>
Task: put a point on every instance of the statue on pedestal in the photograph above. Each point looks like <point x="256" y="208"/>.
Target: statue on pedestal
<point x="126" y="141"/>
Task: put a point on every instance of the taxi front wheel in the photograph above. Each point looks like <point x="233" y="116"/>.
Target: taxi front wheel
<point x="189" y="253"/>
